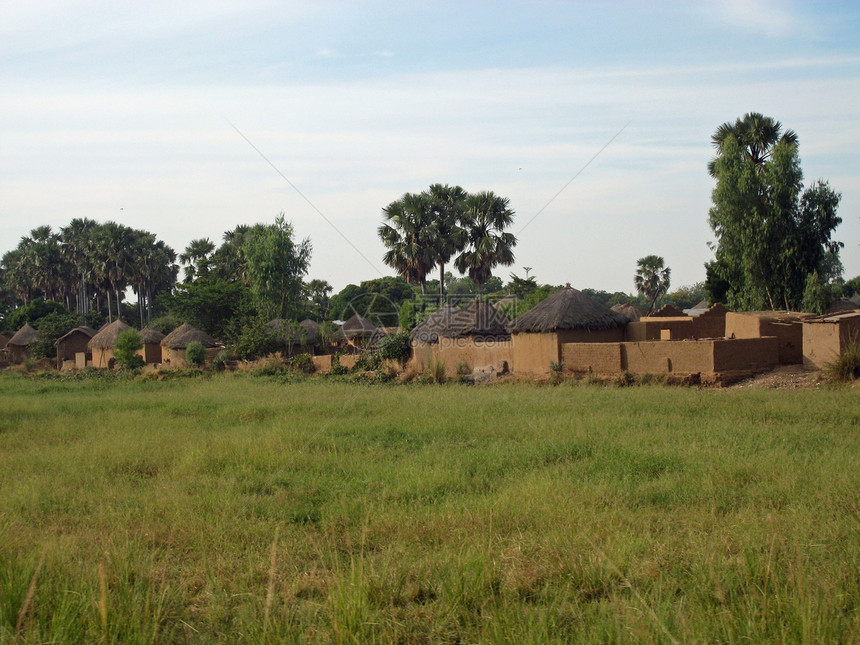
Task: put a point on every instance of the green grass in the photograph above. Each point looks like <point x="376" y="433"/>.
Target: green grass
<point x="242" y="510"/>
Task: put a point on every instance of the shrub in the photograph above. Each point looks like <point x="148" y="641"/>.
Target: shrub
<point x="624" y="379"/>
<point x="464" y="369"/>
<point x="51" y="327"/>
<point x="846" y="366"/>
<point x="125" y="350"/>
<point x="256" y="341"/>
<point x="395" y="347"/>
<point x="302" y="363"/>
<point x="556" y="370"/>
<point x="336" y="368"/>
<point x="195" y="353"/>
<point x="221" y="359"/>
<point x="436" y="371"/>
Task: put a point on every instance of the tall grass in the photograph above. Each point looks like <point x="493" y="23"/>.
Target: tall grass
<point x="240" y="510"/>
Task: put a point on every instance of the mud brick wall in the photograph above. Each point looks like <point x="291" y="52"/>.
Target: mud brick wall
<point x="599" y="358"/>
<point x="746" y="354"/>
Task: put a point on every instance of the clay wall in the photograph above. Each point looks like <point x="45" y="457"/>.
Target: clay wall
<point x="746" y="354"/>
<point x="787" y="328"/>
<point x="454" y="352"/>
<point x="711" y="323"/>
<point x="649" y="328"/>
<point x="824" y="341"/>
<point x="102" y="358"/>
<point x="597" y="358"/>
<point x="532" y="353"/>
<point x="150" y="353"/>
<point x="678" y="357"/>
<point x="18" y="353"/>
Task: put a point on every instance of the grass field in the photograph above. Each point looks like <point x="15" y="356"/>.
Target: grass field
<point x="244" y="510"/>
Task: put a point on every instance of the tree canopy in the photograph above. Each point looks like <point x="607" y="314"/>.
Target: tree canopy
<point x="652" y="279"/>
<point x="771" y="234"/>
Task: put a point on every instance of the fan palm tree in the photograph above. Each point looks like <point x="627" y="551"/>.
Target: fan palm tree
<point x="651" y="279"/>
<point x="410" y="235"/>
<point x="448" y="204"/>
<point x="757" y="135"/>
<point x="196" y="258"/>
<point x="488" y="245"/>
<point x="76" y="239"/>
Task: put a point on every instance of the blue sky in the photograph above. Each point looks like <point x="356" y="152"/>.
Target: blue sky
<point x="123" y="111"/>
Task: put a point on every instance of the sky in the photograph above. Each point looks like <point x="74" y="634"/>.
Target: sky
<point x="593" y="118"/>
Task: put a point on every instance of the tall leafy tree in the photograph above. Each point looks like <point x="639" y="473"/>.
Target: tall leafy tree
<point x="651" y="279"/>
<point x="771" y="233"/>
<point x="485" y="218"/>
<point x="276" y="265"/>
<point x="756" y="134"/>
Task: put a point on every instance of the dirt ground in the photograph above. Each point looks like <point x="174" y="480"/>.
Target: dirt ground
<point x="785" y="377"/>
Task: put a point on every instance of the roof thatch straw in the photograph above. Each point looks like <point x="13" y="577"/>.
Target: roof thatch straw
<point x="24" y="336"/>
<point x="106" y="338"/>
<point x="435" y="324"/>
<point x="842" y="304"/>
<point x="855" y="299"/>
<point x="701" y="305"/>
<point x="184" y="340"/>
<point x="630" y="311"/>
<point x="478" y="318"/>
<point x="88" y="331"/>
<point x="176" y="333"/>
<point x="359" y="327"/>
<point x="305" y="333"/>
<point x="568" y="308"/>
<point x="148" y="335"/>
<point x="668" y="311"/>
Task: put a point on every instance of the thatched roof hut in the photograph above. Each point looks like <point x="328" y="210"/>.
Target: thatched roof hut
<point x="23" y="336"/>
<point x="176" y="333"/>
<point x="478" y="318"/>
<point x="567" y="316"/>
<point x="87" y="331"/>
<point x="189" y="336"/>
<point x="72" y="343"/>
<point x="359" y="327"/>
<point x="842" y="304"/>
<point x="106" y="337"/>
<point x="305" y="333"/>
<point x="568" y="308"/>
<point x="148" y="336"/>
<point x="311" y="330"/>
<point x="434" y="325"/>
<point x="630" y="311"/>
<point x="19" y="344"/>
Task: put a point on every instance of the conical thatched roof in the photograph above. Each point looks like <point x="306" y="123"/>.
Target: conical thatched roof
<point x="307" y="332"/>
<point x="148" y="335"/>
<point x="855" y="299"/>
<point x="189" y="336"/>
<point x="23" y="336"/>
<point x="568" y="308"/>
<point x="106" y="338"/>
<point x="630" y="311"/>
<point x="359" y="327"/>
<point x="841" y="304"/>
<point x="668" y="311"/>
<point x="478" y="318"/>
<point x="701" y="305"/>
<point x="176" y="333"/>
<point x="435" y="324"/>
<point x="89" y="331"/>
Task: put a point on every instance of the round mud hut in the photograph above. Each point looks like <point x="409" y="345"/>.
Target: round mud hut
<point x="173" y="345"/>
<point x="73" y="343"/>
<point x="19" y="344"/>
<point x="101" y="345"/>
<point x="567" y="316"/>
<point x="151" y="339"/>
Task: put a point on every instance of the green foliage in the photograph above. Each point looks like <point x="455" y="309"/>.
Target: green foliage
<point x="164" y="324"/>
<point x="51" y="327"/>
<point x="221" y="359"/>
<point x="276" y="266"/>
<point x="688" y="296"/>
<point x="32" y="312"/>
<point x="195" y="353"/>
<point x="651" y="279"/>
<point x="395" y="347"/>
<point x="256" y="341"/>
<point x="518" y="307"/>
<point x="816" y="295"/>
<point x="436" y="371"/>
<point x="377" y="300"/>
<point x="210" y="304"/>
<point x="771" y="234"/>
<point x="302" y="363"/>
<point x="488" y="244"/>
<point x="125" y="349"/>
<point x="336" y="368"/>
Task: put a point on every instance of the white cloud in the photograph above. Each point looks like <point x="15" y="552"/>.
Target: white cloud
<point x="766" y="17"/>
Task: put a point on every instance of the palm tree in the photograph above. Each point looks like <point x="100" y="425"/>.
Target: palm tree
<point x="757" y="135"/>
<point x="485" y="218"/>
<point x="651" y="279"/>
<point x="410" y="235"/>
<point x="448" y="203"/>
<point x="76" y="241"/>
<point x="196" y="258"/>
